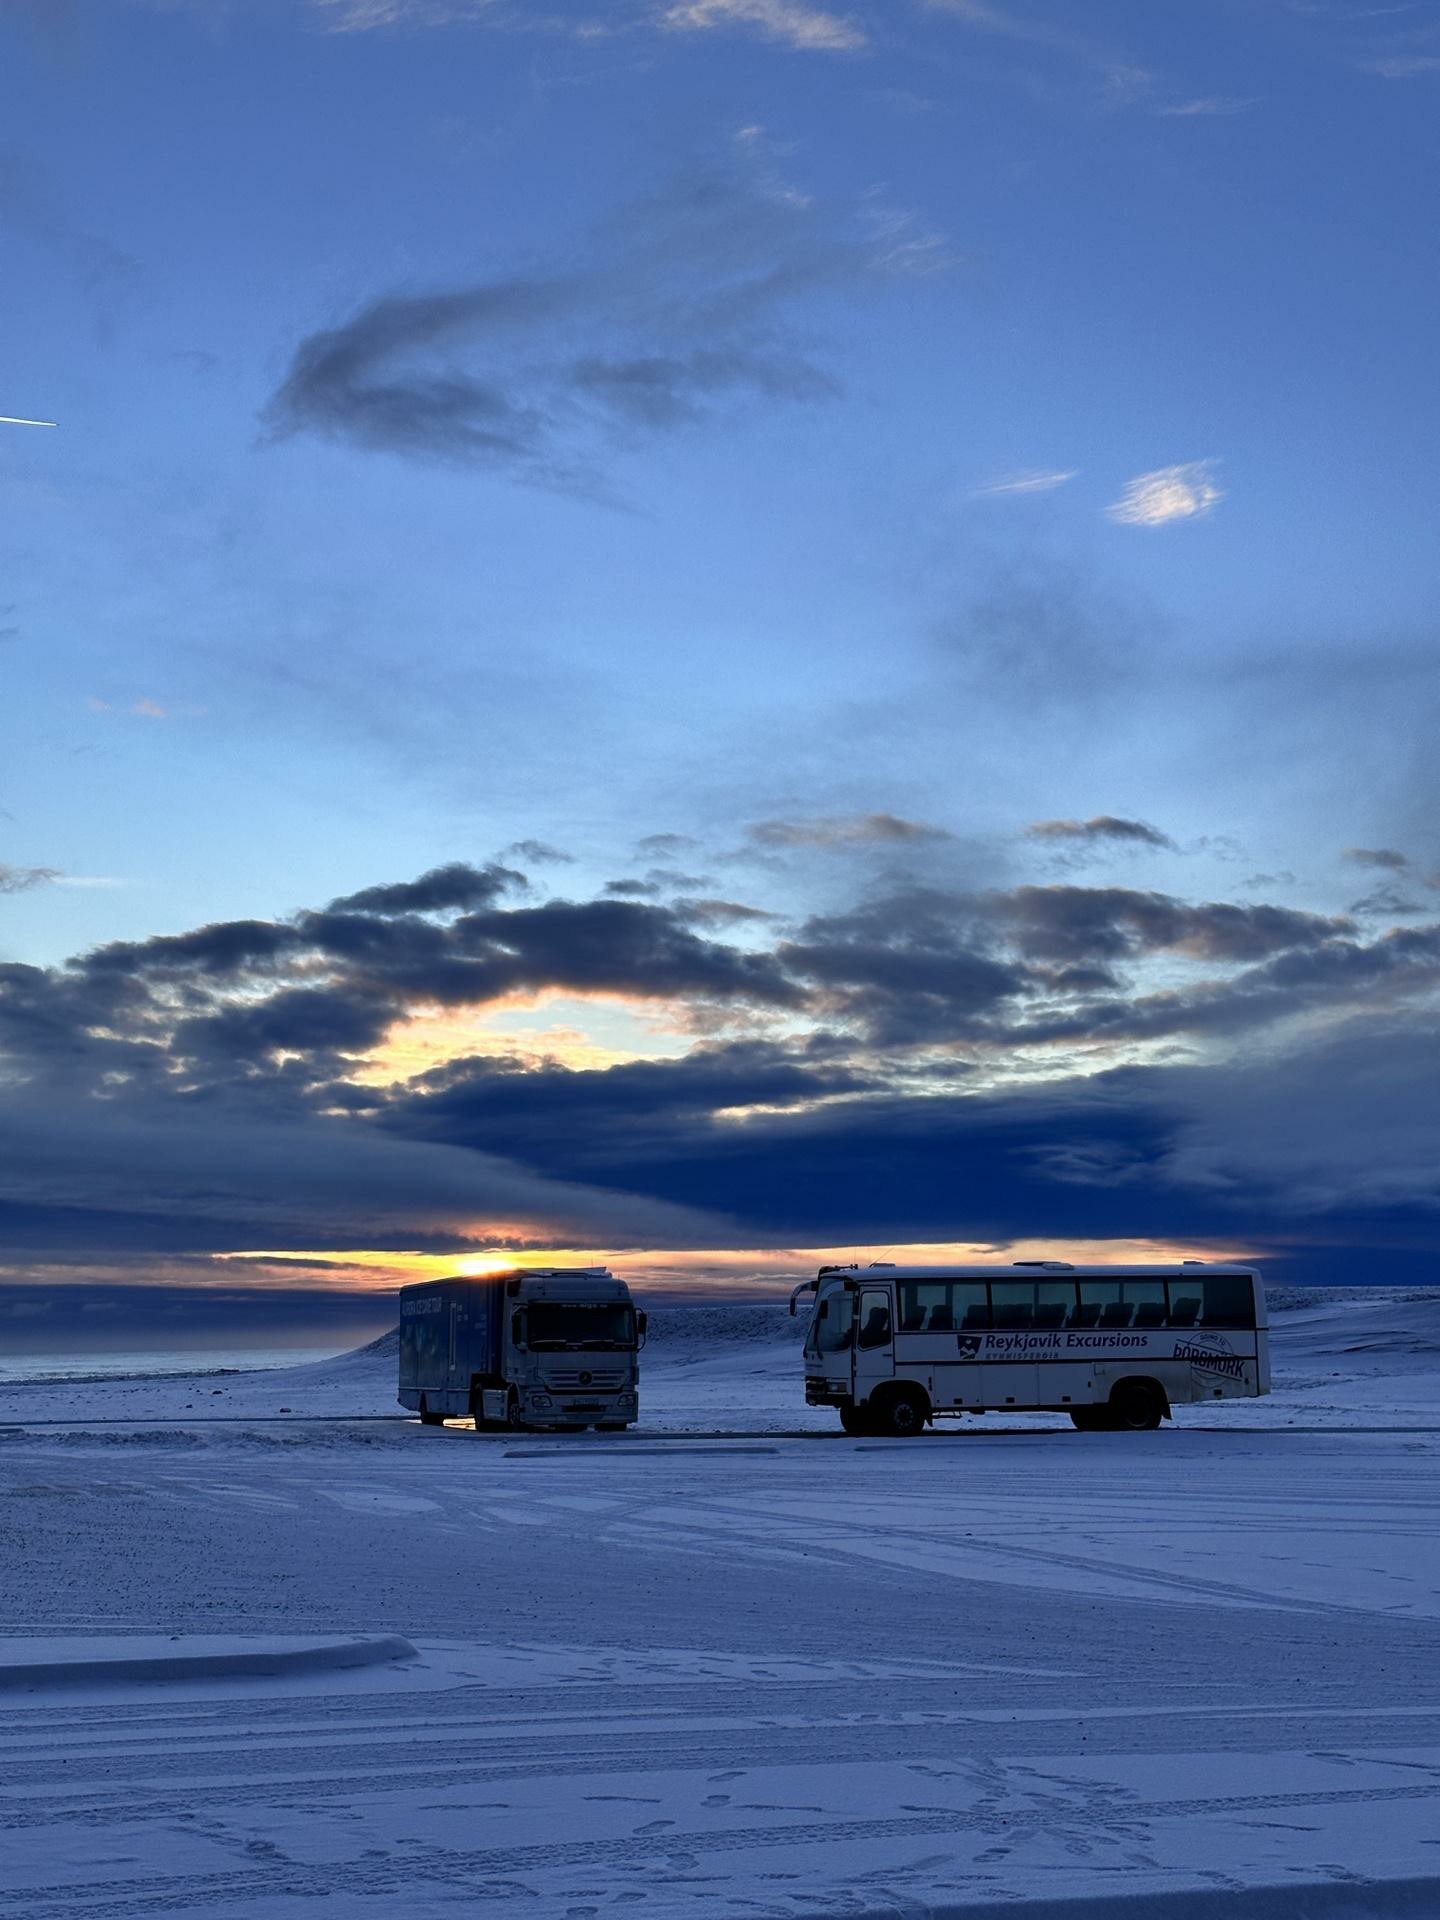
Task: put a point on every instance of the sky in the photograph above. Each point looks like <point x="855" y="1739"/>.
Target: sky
<point x="701" y="632"/>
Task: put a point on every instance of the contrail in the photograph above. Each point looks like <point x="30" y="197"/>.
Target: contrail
<point x="10" y="420"/>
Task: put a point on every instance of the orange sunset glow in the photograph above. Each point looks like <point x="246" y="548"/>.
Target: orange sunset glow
<point x="718" y="1271"/>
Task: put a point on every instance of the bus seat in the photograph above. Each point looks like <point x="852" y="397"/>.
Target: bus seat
<point x="941" y="1320"/>
<point x="1150" y="1313"/>
<point x="1184" y="1313"/>
<point x="1052" y="1314"/>
<point x="975" y="1317"/>
<point x="1117" y="1314"/>
<point x="1087" y="1314"/>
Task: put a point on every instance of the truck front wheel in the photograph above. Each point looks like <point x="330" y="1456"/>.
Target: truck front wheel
<point x="515" y="1414"/>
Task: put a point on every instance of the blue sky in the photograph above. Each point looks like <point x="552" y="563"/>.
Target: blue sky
<point x="924" y="460"/>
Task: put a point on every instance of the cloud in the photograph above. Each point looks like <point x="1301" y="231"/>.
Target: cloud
<point x="23" y="879"/>
<point x="1103" y="827"/>
<point x="845" y="830"/>
<point x="678" y="312"/>
<point x="789" y="23"/>
<point x="364" y="16"/>
<point x="541" y="853"/>
<point x="225" y="1180"/>
<point x="663" y="845"/>
<point x="1071" y="923"/>
<point x="807" y="29"/>
<point x="1037" y="480"/>
<point x="1044" y="637"/>
<point x="1209" y="106"/>
<point x="1388" y="903"/>
<point x="197" y="1091"/>
<point x="442" y="888"/>
<point x="146" y="707"/>
<point x="1386" y="858"/>
<point x="1402" y="66"/>
<point x="1186" y="492"/>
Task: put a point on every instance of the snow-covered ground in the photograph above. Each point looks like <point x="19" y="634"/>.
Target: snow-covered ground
<point x="732" y="1664"/>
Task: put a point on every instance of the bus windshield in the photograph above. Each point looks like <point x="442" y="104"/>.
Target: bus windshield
<point x="834" y="1320"/>
<point x="550" y="1324"/>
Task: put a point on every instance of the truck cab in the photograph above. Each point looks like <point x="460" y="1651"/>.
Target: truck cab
<point x="534" y="1348"/>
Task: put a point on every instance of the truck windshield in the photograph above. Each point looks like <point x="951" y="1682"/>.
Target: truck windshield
<point x="551" y="1324"/>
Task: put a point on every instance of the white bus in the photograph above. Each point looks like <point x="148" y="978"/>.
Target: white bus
<point x="891" y="1347"/>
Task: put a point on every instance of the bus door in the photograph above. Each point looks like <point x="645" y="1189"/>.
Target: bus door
<point x="874" y="1339"/>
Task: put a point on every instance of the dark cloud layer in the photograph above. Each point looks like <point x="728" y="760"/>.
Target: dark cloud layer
<point x="1107" y="827"/>
<point x="213" y="1090"/>
<point x="679" y="311"/>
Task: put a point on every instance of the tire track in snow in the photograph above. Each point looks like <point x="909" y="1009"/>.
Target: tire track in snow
<point x="132" y="1898"/>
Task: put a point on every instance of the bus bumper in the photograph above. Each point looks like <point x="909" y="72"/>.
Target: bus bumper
<point x="827" y="1393"/>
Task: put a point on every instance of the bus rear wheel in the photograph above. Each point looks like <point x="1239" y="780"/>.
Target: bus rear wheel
<point x="1135" y="1408"/>
<point x="902" y="1414"/>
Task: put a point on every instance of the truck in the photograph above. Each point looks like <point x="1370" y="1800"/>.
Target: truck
<point x="551" y="1347"/>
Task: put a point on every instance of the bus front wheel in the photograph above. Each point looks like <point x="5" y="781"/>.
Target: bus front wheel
<point x="902" y="1414"/>
<point x="856" y="1420"/>
<point x="1135" y="1407"/>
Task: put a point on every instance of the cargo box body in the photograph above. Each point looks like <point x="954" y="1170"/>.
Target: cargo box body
<point x="544" y="1347"/>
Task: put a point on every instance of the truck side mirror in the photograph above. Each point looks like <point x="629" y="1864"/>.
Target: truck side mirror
<point x="642" y="1324"/>
<point x="517" y="1327"/>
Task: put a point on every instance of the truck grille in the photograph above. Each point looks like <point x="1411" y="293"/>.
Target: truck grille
<point x="568" y="1379"/>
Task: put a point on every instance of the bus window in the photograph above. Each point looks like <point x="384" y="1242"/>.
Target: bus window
<point x="925" y="1307"/>
<point x="1229" y="1300"/>
<point x="835" y="1321"/>
<point x="970" y="1305"/>
<point x="874" y="1318"/>
<point x="1147" y="1297"/>
<point x="1013" y="1303"/>
<point x="1184" y="1302"/>
<point x="1095" y="1297"/>
<point x="1054" y="1302"/>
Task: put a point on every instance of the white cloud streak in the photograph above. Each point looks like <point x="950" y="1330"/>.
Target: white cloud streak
<point x="1037" y="480"/>
<point x="1185" y="492"/>
<point x="1404" y="66"/>
<point x="805" y="28"/>
<point x="1211" y="106"/>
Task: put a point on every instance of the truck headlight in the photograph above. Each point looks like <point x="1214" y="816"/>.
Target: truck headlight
<point x="541" y="1400"/>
